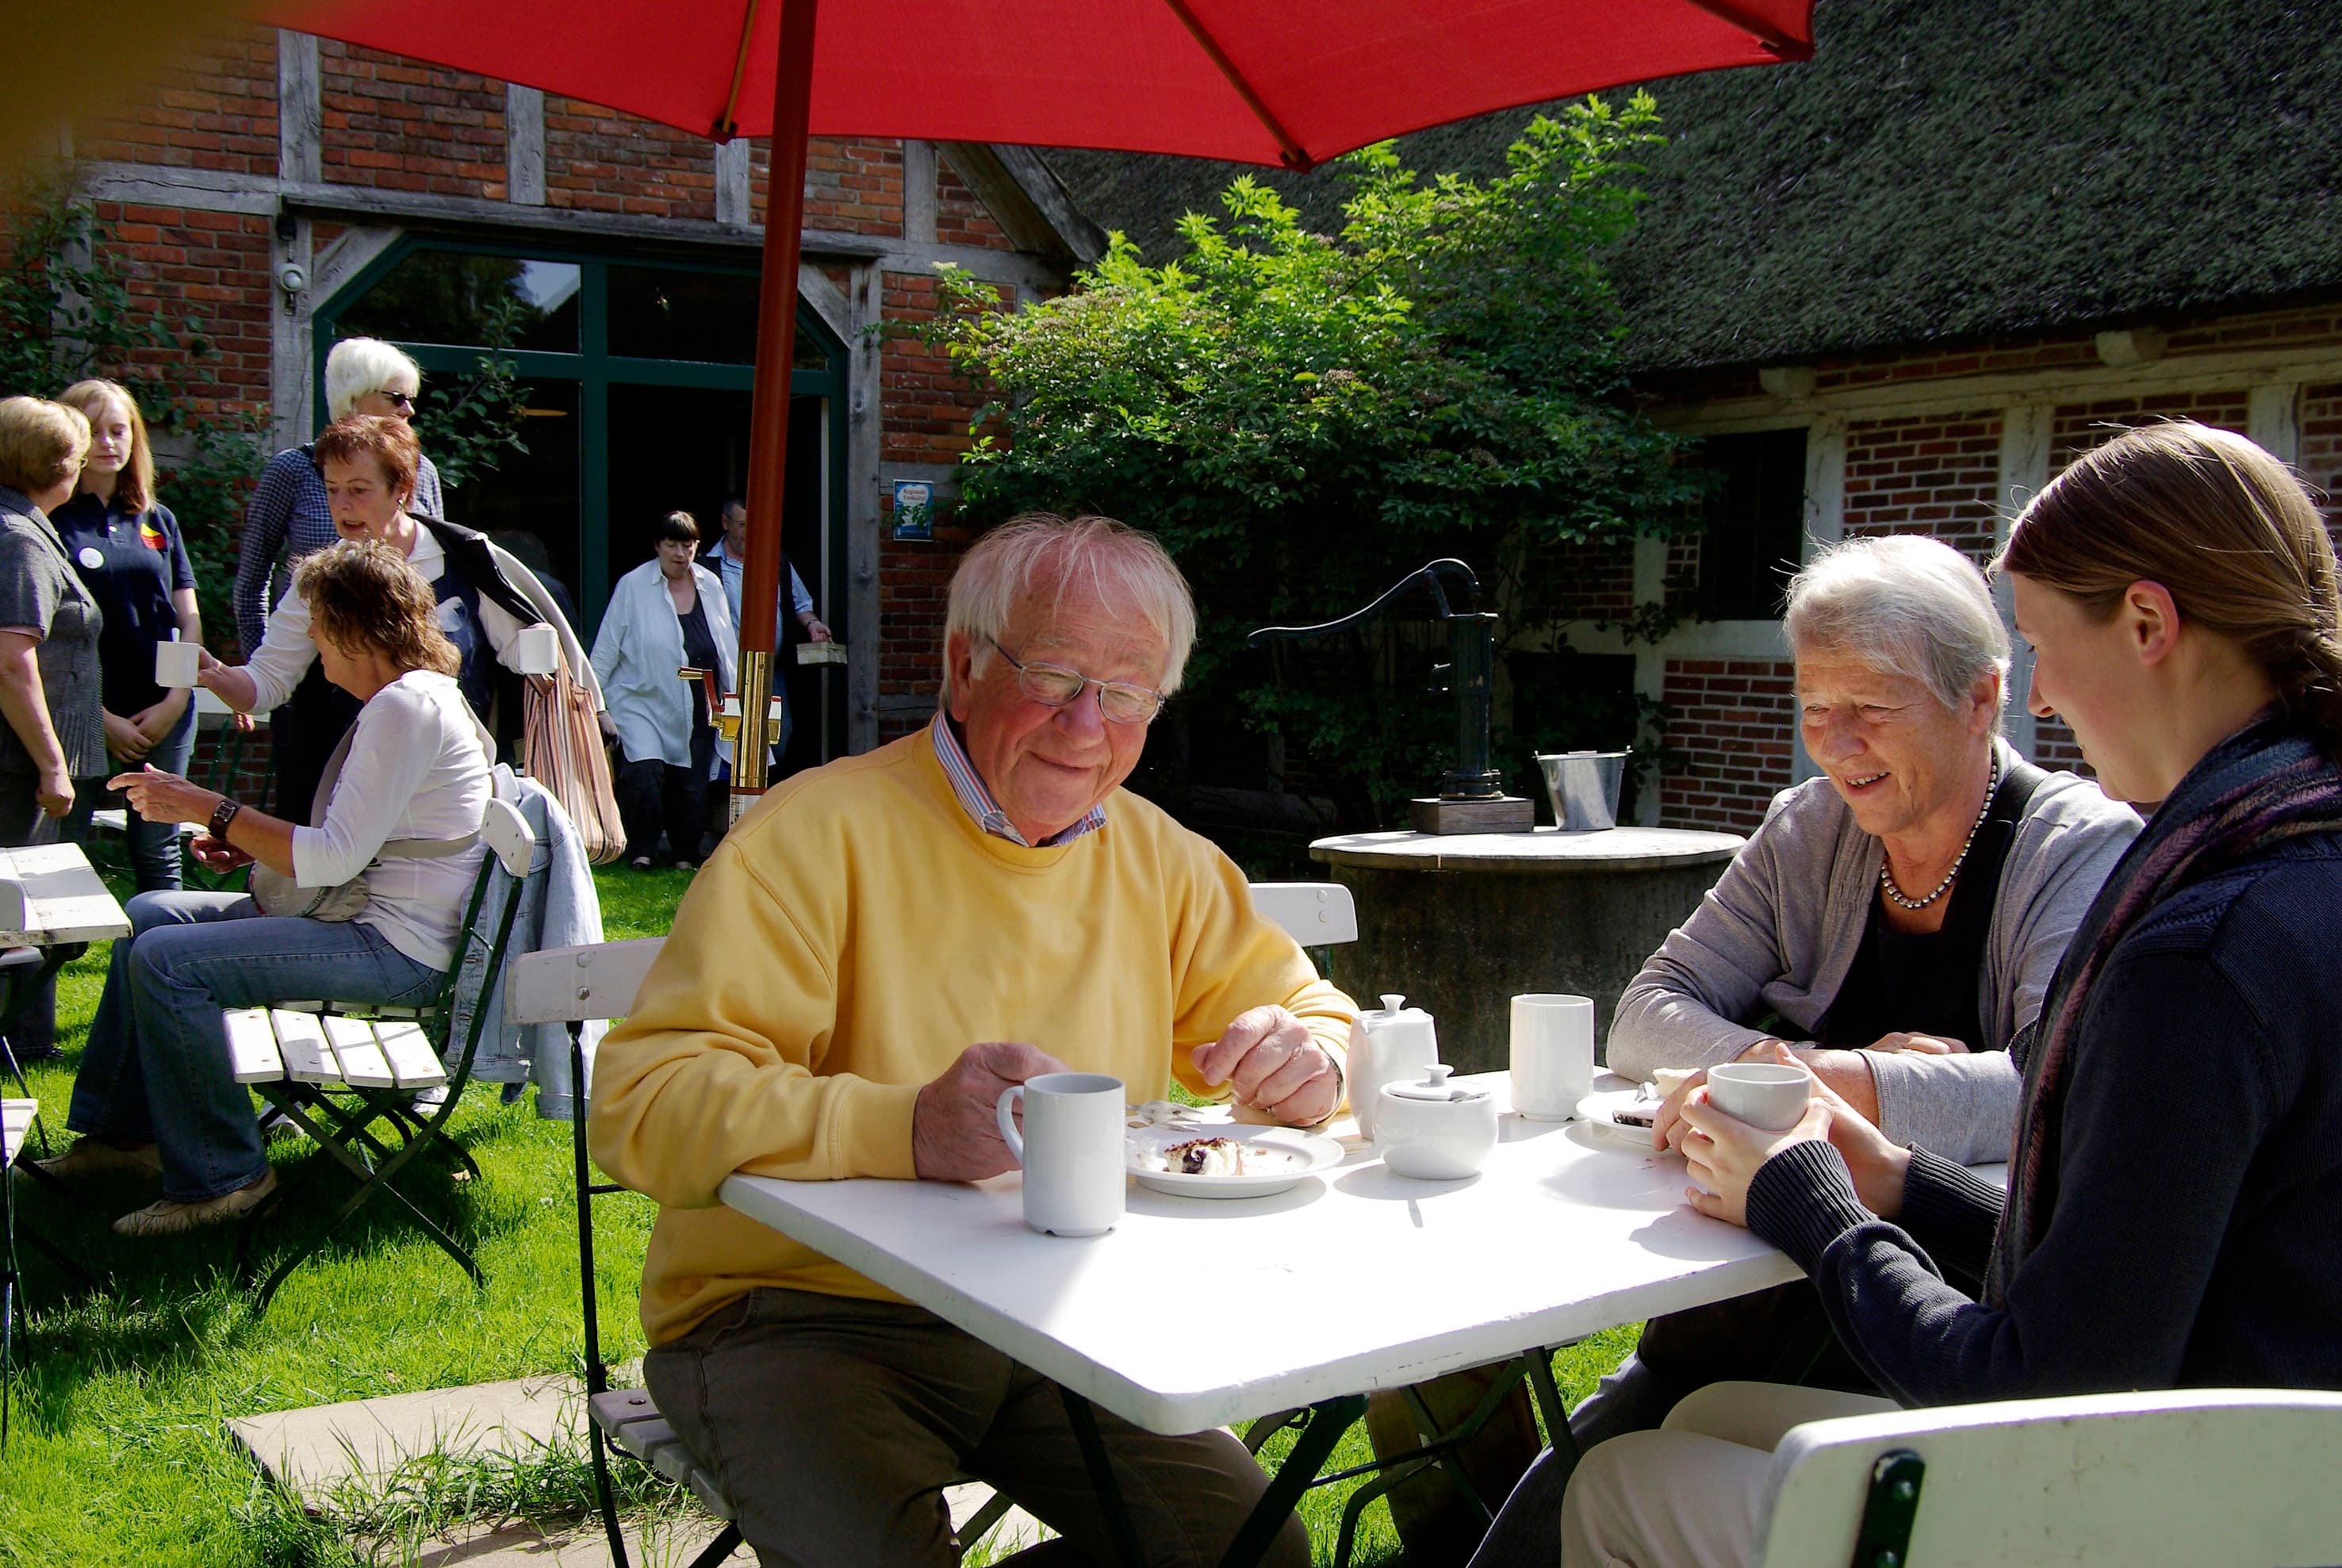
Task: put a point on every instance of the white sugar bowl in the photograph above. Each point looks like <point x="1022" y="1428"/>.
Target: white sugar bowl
<point x="1432" y="1130"/>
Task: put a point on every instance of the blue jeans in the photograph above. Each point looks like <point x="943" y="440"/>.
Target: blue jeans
<point x="156" y="1067"/>
<point x="153" y="845"/>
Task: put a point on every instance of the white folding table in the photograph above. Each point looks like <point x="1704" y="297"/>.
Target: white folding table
<point x="53" y="903"/>
<point x="1193" y="1314"/>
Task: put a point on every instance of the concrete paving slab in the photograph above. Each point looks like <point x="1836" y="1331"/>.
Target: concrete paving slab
<point x="310" y="1452"/>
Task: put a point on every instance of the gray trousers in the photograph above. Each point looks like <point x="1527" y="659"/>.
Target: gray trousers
<point x="833" y="1425"/>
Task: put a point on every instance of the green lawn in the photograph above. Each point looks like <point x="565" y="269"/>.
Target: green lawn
<point x="117" y="1451"/>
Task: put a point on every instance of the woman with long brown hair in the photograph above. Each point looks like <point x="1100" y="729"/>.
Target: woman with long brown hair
<point x="2170" y="1215"/>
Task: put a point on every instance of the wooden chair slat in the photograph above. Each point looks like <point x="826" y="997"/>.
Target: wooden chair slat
<point x="617" y="1408"/>
<point x="413" y="1063"/>
<point x="16" y="1121"/>
<point x="308" y="1057"/>
<point x="364" y="1065"/>
<point x="252" y="1045"/>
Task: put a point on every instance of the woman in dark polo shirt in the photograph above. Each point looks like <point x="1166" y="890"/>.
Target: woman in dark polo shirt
<point x="126" y="548"/>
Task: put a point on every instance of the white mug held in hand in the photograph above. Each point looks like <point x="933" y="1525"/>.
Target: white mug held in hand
<point x="175" y="665"/>
<point x="1553" y="1054"/>
<point x="1071" y="1150"/>
<point x="1764" y="1094"/>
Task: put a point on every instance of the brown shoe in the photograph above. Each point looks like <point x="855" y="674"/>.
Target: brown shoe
<point x="93" y="1157"/>
<point x="170" y="1217"/>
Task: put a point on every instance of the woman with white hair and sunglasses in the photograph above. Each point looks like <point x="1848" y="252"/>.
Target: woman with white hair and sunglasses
<point x="1894" y="922"/>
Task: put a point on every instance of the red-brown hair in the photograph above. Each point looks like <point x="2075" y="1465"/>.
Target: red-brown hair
<point x="387" y="441"/>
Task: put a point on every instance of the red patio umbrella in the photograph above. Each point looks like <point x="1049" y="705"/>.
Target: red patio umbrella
<point x="1290" y="82"/>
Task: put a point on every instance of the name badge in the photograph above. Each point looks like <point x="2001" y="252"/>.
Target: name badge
<point x="90" y="558"/>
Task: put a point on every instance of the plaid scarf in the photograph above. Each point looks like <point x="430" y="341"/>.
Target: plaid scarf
<point x="2267" y="783"/>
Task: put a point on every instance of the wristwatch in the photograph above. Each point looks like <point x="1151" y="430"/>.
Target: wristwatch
<point x="223" y="814"/>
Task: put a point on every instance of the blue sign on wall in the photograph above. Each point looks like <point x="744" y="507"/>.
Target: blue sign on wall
<point x="915" y="509"/>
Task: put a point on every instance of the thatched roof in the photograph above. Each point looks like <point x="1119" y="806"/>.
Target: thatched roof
<point x="1942" y="170"/>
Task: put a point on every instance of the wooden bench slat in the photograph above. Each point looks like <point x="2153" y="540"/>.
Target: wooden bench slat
<point x="16" y="1121"/>
<point x="615" y="1409"/>
<point x="363" y="1066"/>
<point x="308" y="1057"/>
<point x="412" y="1061"/>
<point x="252" y="1046"/>
<point x="703" y="1486"/>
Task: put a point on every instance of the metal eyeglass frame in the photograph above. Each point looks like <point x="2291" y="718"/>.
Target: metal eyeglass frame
<point x="1085" y="681"/>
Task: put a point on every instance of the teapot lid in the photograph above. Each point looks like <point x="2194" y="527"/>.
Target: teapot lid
<point x="1435" y="1087"/>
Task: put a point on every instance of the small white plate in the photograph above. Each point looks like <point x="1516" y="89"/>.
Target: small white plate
<point x="1596" y="1109"/>
<point x="1300" y="1154"/>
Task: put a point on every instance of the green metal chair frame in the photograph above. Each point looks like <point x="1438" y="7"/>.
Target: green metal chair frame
<point x="342" y="1117"/>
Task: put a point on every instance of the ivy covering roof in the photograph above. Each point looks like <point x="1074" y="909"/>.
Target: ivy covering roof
<point x="1942" y="170"/>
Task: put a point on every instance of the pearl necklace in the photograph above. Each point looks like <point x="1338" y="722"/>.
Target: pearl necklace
<point x="1885" y="869"/>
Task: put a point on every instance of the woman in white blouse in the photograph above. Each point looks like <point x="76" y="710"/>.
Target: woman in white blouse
<point x="154" y="1096"/>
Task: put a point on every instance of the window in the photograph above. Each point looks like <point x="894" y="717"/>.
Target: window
<point x="452" y="297"/>
<point x="1755" y="524"/>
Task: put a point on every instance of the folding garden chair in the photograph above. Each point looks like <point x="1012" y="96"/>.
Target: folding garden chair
<point x="340" y="1070"/>
<point x="2208" y="1478"/>
<point x="575" y="987"/>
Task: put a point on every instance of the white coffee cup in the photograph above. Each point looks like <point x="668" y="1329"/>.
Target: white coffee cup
<point x="175" y="665"/>
<point x="1071" y="1149"/>
<point x="535" y="651"/>
<point x="1762" y="1094"/>
<point x="1553" y="1054"/>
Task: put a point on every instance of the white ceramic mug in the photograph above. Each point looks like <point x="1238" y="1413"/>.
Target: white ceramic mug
<point x="1071" y="1149"/>
<point x="535" y="651"/>
<point x="1762" y="1094"/>
<point x="1553" y="1054"/>
<point x="175" y="665"/>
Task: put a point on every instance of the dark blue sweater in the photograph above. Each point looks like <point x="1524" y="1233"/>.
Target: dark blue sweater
<point x="2196" y="1238"/>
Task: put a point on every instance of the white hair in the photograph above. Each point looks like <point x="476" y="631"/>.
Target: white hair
<point x="1043" y="552"/>
<point x="1904" y="604"/>
<point x="358" y="366"/>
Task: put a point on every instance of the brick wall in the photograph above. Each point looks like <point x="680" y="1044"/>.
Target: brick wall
<point x="924" y="403"/>
<point x="600" y="160"/>
<point x="212" y="267"/>
<point x="2321" y="446"/>
<point x="2075" y="428"/>
<point x="1733" y="718"/>
<point x="1938" y="475"/>
<point x="216" y="110"/>
<point x="1581" y="583"/>
<point x="961" y="217"/>
<point x="913" y="575"/>
<point x="851" y="187"/>
<point x="399" y="125"/>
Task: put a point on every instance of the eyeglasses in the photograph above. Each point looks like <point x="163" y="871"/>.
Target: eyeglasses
<point x="1055" y="686"/>
<point x="400" y="400"/>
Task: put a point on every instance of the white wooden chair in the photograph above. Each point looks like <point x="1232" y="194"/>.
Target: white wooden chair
<point x="335" y="1069"/>
<point x="1314" y="914"/>
<point x="2197" y="1478"/>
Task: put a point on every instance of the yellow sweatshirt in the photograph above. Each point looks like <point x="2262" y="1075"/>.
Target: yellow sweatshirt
<point x="857" y="931"/>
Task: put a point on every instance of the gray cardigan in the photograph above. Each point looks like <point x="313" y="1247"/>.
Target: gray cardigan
<point x="1780" y="929"/>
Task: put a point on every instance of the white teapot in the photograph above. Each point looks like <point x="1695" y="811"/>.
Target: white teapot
<point x="1432" y="1130"/>
<point x="1394" y="1042"/>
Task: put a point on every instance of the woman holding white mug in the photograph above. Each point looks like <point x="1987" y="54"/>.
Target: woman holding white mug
<point x="2179" y="587"/>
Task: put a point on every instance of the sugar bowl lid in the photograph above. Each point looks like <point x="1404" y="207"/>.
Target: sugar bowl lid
<point x="1435" y="1087"/>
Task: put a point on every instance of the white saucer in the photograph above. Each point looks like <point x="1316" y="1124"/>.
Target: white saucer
<point x="1595" y="1112"/>
<point x="1307" y="1153"/>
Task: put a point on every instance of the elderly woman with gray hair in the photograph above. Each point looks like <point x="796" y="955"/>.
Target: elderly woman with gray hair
<point x="1893" y="924"/>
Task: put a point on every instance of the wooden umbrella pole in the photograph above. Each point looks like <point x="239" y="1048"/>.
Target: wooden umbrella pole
<point x="768" y="419"/>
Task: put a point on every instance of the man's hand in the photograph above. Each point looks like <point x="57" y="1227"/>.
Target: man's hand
<point x="956" y="1122"/>
<point x="1725" y="1153"/>
<point x="125" y="739"/>
<point x="1267" y="1056"/>
<point x="815" y="630"/>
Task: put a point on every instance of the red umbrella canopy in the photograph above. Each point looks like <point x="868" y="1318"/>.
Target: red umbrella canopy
<point x="1291" y="81"/>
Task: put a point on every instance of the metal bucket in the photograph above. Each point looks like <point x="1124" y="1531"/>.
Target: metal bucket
<point x="1583" y="788"/>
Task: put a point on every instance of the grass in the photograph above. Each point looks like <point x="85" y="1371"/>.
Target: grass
<point x="118" y="1449"/>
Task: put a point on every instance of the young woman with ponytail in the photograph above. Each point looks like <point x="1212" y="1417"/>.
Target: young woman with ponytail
<point x="2176" y="1179"/>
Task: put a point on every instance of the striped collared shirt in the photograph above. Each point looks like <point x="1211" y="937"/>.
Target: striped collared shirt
<point x="977" y="800"/>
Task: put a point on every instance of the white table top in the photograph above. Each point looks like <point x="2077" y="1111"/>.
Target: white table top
<point x="1193" y="1312"/>
<point x="64" y="900"/>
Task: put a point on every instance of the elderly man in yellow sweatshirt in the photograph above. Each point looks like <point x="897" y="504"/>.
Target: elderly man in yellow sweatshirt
<point x="877" y="950"/>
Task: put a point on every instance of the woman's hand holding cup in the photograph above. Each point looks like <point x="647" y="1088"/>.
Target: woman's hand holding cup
<point x="1724" y="1152"/>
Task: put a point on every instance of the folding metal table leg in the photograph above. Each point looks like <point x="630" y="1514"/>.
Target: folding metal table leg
<point x="1328" y="1420"/>
<point x="1101" y="1468"/>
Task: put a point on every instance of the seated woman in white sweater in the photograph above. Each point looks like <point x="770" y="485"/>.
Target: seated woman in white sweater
<point x="154" y="1096"/>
